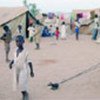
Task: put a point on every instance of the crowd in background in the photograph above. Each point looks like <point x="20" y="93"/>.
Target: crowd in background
<point x="58" y="29"/>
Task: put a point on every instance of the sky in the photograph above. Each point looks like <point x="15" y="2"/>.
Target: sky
<point x="55" y="5"/>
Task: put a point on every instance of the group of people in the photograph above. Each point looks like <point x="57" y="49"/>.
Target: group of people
<point x="37" y="30"/>
<point x="35" y="33"/>
<point x="60" y="30"/>
<point x="57" y="31"/>
<point x="21" y="62"/>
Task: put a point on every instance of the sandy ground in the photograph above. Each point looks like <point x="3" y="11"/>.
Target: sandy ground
<point x="54" y="62"/>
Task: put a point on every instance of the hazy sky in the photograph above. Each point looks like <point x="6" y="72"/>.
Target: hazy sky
<point x="56" y="5"/>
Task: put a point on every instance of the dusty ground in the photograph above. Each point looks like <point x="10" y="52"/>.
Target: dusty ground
<point x="54" y="62"/>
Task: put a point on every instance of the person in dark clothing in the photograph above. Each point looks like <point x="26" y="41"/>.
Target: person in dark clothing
<point x="7" y="37"/>
<point x="45" y="32"/>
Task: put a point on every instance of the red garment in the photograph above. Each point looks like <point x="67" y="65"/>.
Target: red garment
<point x="57" y="33"/>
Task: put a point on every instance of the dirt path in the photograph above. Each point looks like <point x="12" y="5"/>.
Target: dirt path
<point x="54" y="62"/>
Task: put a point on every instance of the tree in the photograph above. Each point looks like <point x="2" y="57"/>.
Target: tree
<point x="32" y="7"/>
<point x="25" y="3"/>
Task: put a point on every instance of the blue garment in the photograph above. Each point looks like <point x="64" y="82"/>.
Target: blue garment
<point x="77" y="30"/>
<point x="45" y="32"/>
<point x="95" y="33"/>
<point x="77" y="33"/>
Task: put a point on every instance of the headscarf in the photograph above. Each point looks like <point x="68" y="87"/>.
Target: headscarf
<point x="20" y="39"/>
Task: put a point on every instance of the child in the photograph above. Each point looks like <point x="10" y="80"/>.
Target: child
<point x="52" y="30"/>
<point x="37" y="35"/>
<point x="20" y="31"/>
<point x="57" y="33"/>
<point x="77" y="31"/>
<point x="20" y="28"/>
<point x="63" y="31"/>
<point x="7" y="37"/>
<point x="96" y="28"/>
<point x="21" y="68"/>
<point x="31" y="32"/>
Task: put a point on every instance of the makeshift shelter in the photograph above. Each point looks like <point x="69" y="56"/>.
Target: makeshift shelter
<point x="85" y="19"/>
<point x="13" y="17"/>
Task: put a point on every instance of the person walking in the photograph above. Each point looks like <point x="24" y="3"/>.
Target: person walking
<point x="96" y="28"/>
<point x="37" y="35"/>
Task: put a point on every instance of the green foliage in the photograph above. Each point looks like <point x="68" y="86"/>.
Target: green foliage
<point x="32" y="7"/>
<point x="25" y="3"/>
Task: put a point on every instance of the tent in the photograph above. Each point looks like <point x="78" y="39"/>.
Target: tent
<point x="13" y="17"/>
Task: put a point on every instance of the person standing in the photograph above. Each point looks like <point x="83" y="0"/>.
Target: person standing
<point x="37" y="35"/>
<point x="77" y="29"/>
<point x="20" y="29"/>
<point x="7" y="38"/>
<point x="57" y="23"/>
<point x="52" y="30"/>
<point x="45" y="32"/>
<point x="31" y="30"/>
<point x="57" y="33"/>
<point x="96" y="28"/>
<point x="22" y="66"/>
<point x="63" y="31"/>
